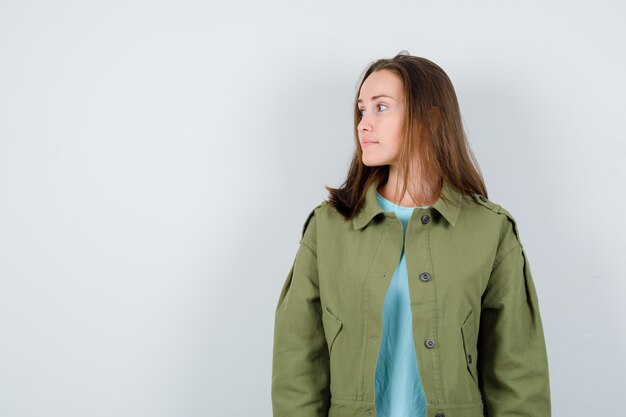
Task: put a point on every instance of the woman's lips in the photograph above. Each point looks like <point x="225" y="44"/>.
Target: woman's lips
<point x="367" y="144"/>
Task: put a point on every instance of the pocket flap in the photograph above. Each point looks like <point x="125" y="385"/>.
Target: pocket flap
<point x="332" y="325"/>
<point x="468" y="332"/>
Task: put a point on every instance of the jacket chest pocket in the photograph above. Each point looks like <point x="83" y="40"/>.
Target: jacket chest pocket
<point x="332" y="326"/>
<point x="468" y="331"/>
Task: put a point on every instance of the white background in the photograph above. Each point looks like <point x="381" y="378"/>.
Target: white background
<point x="158" y="160"/>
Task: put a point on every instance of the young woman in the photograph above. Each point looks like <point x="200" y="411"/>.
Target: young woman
<point x="410" y="294"/>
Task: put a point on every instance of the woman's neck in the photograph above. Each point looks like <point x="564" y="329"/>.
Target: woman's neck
<point x="426" y="197"/>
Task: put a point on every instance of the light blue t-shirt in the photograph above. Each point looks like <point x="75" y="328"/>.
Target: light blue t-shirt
<point x="399" y="391"/>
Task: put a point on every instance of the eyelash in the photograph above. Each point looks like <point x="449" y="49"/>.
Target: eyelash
<point x="379" y="104"/>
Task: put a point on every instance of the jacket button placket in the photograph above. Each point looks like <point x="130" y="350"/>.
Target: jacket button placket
<point x="422" y="292"/>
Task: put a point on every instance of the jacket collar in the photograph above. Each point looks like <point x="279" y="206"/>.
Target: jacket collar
<point x="371" y="207"/>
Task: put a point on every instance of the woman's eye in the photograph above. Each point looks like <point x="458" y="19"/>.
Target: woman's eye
<point x="377" y="106"/>
<point x="361" y="111"/>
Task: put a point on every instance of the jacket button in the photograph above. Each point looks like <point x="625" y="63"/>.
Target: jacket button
<point x="425" y="276"/>
<point x="425" y="219"/>
<point x="440" y="415"/>
<point x="482" y="197"/>
<point x="430" y="343"/>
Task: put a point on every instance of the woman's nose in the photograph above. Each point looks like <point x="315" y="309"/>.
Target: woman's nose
<point x="364" y="124"/>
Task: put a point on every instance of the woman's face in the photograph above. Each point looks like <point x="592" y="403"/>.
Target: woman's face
<point x="381" y="103"/>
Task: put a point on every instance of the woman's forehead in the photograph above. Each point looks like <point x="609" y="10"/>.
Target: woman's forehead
<point x="381" y="84"/>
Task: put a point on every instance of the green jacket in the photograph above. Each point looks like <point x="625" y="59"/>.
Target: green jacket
<point x="476" y="324"/>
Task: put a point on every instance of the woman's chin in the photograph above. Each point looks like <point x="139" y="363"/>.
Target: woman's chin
<point x="373" y="162"/>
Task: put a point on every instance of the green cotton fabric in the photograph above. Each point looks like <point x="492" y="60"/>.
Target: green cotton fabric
<point x="476" y="322"/>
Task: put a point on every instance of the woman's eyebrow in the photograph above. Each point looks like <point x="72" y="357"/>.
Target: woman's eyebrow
<point x="375" y="97"/>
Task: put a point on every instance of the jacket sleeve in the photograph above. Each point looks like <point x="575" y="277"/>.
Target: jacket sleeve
<point x="300" y="364"/>
<point x="513" y="363"/>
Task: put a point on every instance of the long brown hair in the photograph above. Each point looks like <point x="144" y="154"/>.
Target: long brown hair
<point x="434" y="141"/>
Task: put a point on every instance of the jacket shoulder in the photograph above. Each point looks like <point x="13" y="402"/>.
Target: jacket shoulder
<point x="497" y="208"/>
<point x="310" y="216"/>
